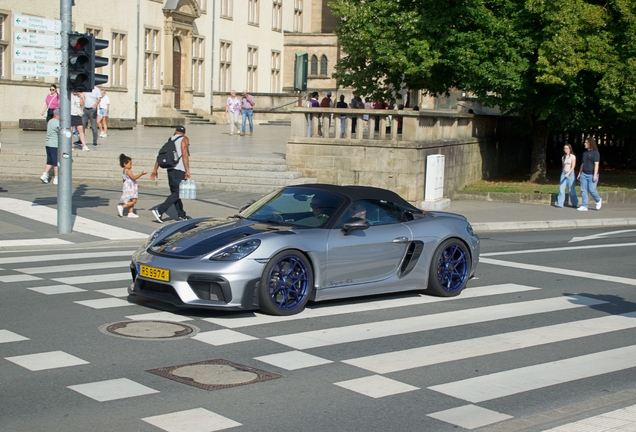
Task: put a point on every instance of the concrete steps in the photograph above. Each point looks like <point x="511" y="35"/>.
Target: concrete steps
<point x="193" y="118"/>
<point x="260" y="175"/>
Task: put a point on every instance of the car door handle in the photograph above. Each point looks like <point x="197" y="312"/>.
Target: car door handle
<point x="400" y="240"/>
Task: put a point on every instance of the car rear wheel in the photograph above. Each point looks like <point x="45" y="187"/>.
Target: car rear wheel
<point x="450" y="268"/>
<point x="286" y="283"/>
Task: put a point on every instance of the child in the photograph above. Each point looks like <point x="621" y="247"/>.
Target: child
<point x="129" y="190"/>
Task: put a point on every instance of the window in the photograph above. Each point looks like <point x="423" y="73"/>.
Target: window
<point x="197" y="64"/>
<point x="4" y="46"/>
<point x="252" y="66"/>
<point x="252" y="12"/>
<point x="314" y="65"/>
<point x="117" y="76"/>
<point x="225" y="67"/>
<point x="377" y="212"/>
<point x="151" y="59"/>
<point x="298" y="16"/>
<point x="323" y="65"/>
<point x="275" y="84"/>
<point x="226" y="8"/>
<point x="277" y="15"/>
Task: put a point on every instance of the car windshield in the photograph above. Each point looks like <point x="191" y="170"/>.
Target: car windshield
<point x="295" y="206"/>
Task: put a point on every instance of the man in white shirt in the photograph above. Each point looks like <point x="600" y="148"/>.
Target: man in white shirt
<point x="91" y="103"/>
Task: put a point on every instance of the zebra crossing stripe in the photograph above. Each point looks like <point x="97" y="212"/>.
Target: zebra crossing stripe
<point x="317" y="311"/>
<point x="560" y="271"/>
<point x="64" y="257"/>
<point x="534" y="377"/>
<point x="111" y="277"/>
<point x="459" y="350"/>
<point x="378" y="329"/>
<point x="73" y="267"/>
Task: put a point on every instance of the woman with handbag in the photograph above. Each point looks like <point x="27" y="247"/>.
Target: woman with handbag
<point x="51" y="103"/>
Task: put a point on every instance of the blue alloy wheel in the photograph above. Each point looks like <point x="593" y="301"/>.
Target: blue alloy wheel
<point x="286" y="284"/>
<point x="450" y="268"/>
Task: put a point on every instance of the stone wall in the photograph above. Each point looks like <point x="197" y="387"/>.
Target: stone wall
<point x="475" y="147"/>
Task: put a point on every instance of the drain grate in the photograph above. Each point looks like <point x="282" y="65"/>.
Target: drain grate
<point x="150" y="330"/>
<point x="214" y="374"/>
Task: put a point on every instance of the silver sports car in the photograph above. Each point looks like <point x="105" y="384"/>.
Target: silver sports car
<point x="307" y="242"/>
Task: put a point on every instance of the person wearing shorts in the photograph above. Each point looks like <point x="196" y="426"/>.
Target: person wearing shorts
<point x="77" y="110"/>
<point x="52" y="139"/>
<point x="102" y="115"/>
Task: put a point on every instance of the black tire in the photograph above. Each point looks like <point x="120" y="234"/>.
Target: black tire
<point x="286" y="284"/>
<point x="450" y="269"/>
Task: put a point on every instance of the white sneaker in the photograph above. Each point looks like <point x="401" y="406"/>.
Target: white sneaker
<point x="105" y="135"/>
<point x="55" y="180"/>
<point x="120" y="210"/>
<point x="44" y="178"/>
<point x="599" y="204"/>
<point x="582" y="208"/>
<point x="86" y="149"/>
<point x="133" y="215"/>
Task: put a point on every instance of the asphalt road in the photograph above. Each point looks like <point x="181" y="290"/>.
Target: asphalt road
<point x="536" y="341"/>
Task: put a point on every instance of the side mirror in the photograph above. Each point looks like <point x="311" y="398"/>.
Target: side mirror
<point x="354" y="224"/>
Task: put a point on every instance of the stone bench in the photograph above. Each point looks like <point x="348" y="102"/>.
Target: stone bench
<point x="40" y="124"/>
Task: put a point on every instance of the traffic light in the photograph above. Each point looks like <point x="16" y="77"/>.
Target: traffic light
<point x="82" y="62"/>
<point x="79" y="62"/>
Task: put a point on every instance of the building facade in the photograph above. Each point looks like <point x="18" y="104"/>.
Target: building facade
<point x="166" y="55"/>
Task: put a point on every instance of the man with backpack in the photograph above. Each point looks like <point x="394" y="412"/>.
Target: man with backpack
<point x="174" y="156"/>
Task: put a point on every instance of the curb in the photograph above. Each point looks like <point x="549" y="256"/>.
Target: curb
<point x="554" y="224"/>
<point x="612" y="197"/>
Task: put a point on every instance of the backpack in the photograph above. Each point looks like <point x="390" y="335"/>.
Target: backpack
<point x="168" y="156"/>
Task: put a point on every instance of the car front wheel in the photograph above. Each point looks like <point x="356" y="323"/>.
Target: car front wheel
<point x="286" y="283"/>
<point x="450" y="268"/>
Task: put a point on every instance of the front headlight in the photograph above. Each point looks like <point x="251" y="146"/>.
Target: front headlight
<point x="236" y="251"/>
<point x="469" y="227"/>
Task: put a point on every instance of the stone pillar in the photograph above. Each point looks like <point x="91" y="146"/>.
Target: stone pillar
<point x="187" y="101"/>
<point x="167" y="90"/>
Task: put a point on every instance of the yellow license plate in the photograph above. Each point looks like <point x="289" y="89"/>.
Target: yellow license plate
<point x="154" y="273"/>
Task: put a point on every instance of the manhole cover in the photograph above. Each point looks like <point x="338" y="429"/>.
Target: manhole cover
<point x="214" y="374"/>
<point x="152" y="330"/>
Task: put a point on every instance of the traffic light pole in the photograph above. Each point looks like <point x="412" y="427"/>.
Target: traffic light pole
<point x="64" y="151"/>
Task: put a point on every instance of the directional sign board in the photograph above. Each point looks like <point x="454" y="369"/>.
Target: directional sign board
<point x="37" y="39"/>
<point x="36" y="69"/>
<point x="37" y="23"/>
<point x="37" y="54"/>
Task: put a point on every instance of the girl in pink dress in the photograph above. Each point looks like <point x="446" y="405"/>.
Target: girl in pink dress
<point x="129" y="190"/>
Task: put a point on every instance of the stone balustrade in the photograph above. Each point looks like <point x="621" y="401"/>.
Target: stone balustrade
<point x="394" y="157"/>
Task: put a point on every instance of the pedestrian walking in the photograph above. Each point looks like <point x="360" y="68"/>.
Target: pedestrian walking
<point x="51" y="144"/>
<point x="568" y="165"/>
<point x="588" y="174"/>
<point x="233" y="111"/>
<point x="77" y="110"/>
<point x="102" y="115"/>
<point x="130" y="192"/>
<point x="91" y="104"/>
<point x="247" y="111"/>
<point x="51" y="103"/>
<point x="175" y="176"/>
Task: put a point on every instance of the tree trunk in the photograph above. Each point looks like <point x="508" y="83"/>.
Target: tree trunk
<point x="540" y="133"/>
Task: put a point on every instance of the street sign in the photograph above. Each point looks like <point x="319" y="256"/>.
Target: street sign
<point x="37" y="39"/>
<point x="37" y="54"/>
<point x="37" y="23"/>
<point x="36" y="69"/>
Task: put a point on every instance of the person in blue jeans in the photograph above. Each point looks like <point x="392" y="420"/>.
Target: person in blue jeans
<point x="568" y="162"/>
<point x="588" y="175"/>
<point x="247" y="110"/>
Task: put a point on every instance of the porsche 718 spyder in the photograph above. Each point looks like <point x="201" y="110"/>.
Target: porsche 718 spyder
<point x="306" y="243"/>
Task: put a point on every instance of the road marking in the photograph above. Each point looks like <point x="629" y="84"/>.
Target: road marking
<point x="83" y="225"/>
<point x="293" y="360"/>
<point x="65" y="257"/>
<point x="463" y="349"/>
<point x="470" y="416"/>
<point x="74" y="267"/>
<point x="559" y="249"/>
<point x="112" y="277"/>
<point x="378" y="329"/>
<point x="493" y="386"/>
<point x="18" y="278"/>
<point x="255" y="319"/>
<point x="194" y="420"/>
<point x="599" y="235"/>
<point x="560" y="271"/>
<point x="34" y="242"/>
<point x="376" y="386"/>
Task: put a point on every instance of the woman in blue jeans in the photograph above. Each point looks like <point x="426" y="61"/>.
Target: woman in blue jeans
<point x="568" y="162"/>
<point x="247" y="110"/>
<point x="588" y="175"/>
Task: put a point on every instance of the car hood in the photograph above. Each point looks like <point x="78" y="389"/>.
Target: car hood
<point x="206" y="235"/>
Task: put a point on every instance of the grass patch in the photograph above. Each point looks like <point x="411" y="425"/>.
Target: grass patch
<point x="611" y="180"/>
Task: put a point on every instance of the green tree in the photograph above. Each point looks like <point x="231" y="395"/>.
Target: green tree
<point x="561" y="64"/>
